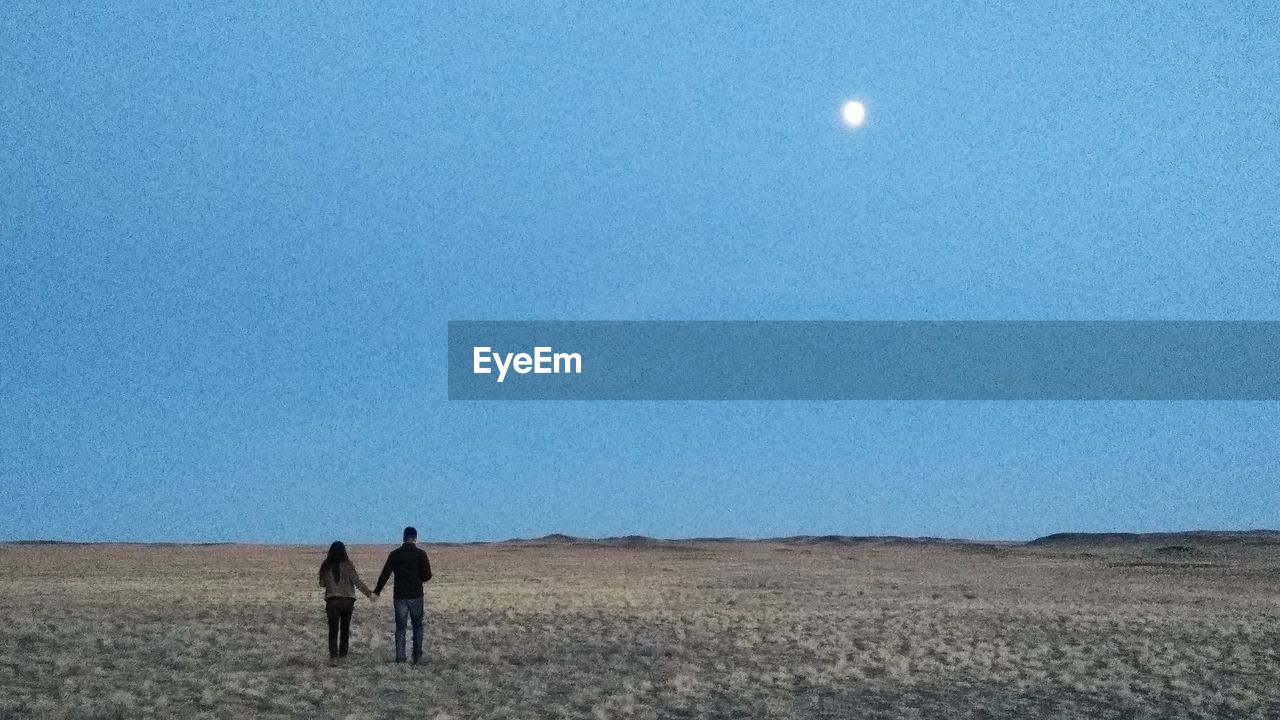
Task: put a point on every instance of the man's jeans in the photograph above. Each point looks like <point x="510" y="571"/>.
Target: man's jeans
<point x="409" y="609"/>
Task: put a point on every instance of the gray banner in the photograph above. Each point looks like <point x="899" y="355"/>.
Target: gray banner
<point x="864" y="360"/>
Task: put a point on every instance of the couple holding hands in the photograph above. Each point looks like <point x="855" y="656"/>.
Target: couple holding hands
<point x="411" y="568"/>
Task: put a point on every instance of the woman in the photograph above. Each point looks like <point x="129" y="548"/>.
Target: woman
<point x="339" y="579"/>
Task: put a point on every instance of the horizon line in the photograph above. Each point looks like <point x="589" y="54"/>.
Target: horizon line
<point x="623" y="540"/>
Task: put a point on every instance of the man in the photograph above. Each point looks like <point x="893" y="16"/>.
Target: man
<point x="412" y="569"/>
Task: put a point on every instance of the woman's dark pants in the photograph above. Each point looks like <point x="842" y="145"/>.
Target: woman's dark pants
<point x="338" y="609"/>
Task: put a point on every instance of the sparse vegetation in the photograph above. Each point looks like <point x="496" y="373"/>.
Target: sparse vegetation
<point x="717" y="630"/>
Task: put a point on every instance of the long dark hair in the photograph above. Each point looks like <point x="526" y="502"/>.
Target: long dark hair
<point x="337" y="556"/>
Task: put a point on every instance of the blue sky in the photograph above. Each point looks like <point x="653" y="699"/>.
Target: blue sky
<point x="231" y="237"/>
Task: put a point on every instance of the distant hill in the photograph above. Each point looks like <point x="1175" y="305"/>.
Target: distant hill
<point x="865" y="540"/>
<point x="637" y="541"/>
<point x="618" y="541"/>
<point x="552" y="539"/>
<point x="1182" y="538"/>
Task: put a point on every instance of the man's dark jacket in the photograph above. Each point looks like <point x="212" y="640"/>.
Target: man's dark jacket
<point x="411" y="568"/>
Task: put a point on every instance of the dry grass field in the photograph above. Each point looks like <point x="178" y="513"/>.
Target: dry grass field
<point x="714" y="630"/>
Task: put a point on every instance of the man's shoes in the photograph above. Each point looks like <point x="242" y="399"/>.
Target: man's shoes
<point x="333" y="662"/>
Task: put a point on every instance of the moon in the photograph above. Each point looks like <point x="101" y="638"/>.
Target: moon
<point x="853" y="113"/>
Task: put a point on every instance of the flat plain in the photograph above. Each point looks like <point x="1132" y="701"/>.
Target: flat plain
<point x="808" y="628"/>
